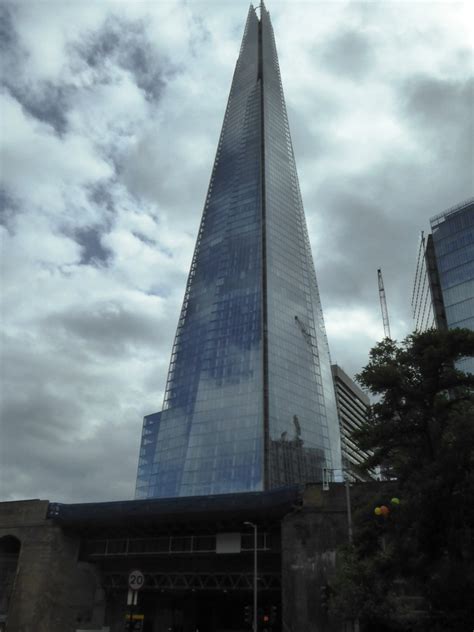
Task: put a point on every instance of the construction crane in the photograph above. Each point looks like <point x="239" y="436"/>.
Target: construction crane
<point x="383" y="305"/>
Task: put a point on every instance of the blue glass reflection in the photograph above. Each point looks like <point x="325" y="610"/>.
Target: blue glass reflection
<point x="453" y="238"/>
<point x="209" y="437"/>
<point x="249" y="399"/>
<point x="303" y="421"/>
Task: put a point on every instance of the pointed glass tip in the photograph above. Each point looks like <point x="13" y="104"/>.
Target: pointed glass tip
<point x="260" y="7"/>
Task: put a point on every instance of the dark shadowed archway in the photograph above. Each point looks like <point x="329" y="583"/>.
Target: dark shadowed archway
<point x="9" y="554"/>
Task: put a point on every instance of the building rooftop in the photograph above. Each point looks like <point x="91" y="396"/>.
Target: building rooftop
<point x="437" y="219"/>
<point x="349" y="382"/>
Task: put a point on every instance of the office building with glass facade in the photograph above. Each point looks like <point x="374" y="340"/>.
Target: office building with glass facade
<point x="443" y="294"/>
<point x="249" y="402"/>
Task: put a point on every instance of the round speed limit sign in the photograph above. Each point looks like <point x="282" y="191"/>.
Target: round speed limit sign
<point x="136" y="580"/>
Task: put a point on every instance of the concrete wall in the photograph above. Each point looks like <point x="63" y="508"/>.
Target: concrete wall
<point x="52" y="591"/>
<point x="310" y="536"/>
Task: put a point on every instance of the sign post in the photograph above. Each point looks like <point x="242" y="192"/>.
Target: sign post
<point x="136" y="581"/>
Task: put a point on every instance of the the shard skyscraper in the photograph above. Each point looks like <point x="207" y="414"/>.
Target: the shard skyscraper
<point x="249" y="402"/>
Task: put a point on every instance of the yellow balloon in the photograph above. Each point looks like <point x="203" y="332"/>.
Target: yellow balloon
<point x="377" y="511"/>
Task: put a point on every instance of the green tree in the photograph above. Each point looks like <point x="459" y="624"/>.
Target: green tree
<point x="417" y="561"/>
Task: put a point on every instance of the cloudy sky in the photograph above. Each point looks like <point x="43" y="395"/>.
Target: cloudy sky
<point x="111" y="114"/>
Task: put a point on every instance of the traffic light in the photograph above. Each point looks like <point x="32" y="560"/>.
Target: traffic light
<point x="273" y="614"/>
<point x="324" y="597"/>
<point x="248" y="615"/>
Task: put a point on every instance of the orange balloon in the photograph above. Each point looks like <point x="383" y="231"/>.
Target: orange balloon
<point x="384" y="510"/>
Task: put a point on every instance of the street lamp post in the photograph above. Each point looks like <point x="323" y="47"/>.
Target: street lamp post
<point x="255" y="579"/>
<point x="348" y="504"/>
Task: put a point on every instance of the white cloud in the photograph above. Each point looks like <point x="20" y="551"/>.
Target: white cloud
<point x="45" y="29"/>
<point x="109" y="114"/>
<point x="43" y="169"/>
<point x="347" y="324"/>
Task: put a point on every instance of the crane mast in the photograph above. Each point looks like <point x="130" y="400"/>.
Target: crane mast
<point x="383" y="305"/>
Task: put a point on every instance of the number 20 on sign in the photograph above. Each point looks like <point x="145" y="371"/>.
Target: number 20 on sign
<point x="136" y="580"/>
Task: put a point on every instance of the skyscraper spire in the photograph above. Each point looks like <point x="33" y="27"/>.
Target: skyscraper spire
<point x="249" y="401"/>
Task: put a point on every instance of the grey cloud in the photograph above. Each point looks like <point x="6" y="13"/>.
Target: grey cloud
<point x="31" y="398"/>
<point x="110" y="328"/>
<point x="9" y="207"/>
<point x="69" y="423"/>
<point x="57" y="462"/>
<point x="360" y="225"/>
<point x="374" y="219"/>
<point x="104" y="196"/>
<point x="100" y="467"/>
<point x="442" y="111"/>
<point x="199" y="33"/>
<point x="149" y="242"/>
<point x="365" y="12"/>
<point x="93" y="252"/>
<point x="118" y="42"/>
<point x="100" y="46"/>
<point x="101" y="195"/>
<point x="167" y="190"/>
<point x="126" y="44"/>
<point x="12" y="55"/>
<point x="436" y="101"/>
<point x="311" y="143"/>
<point x="8" y="37"/>
<point x="349" y="53"/>
<point x="45" y="101"/>
<point x="42" y="413"/>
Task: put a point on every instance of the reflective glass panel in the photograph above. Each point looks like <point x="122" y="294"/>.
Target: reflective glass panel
<point x="453" y="238"/>
<point x="249" y="400"/>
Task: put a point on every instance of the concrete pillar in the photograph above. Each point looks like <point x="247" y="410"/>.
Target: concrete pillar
<point x="310" y="537"/>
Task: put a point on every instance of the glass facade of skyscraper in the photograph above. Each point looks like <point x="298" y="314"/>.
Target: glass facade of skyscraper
<point x="443" y="293"/>
<point x="249" y="401"/>
<point x="453" y="241"/>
